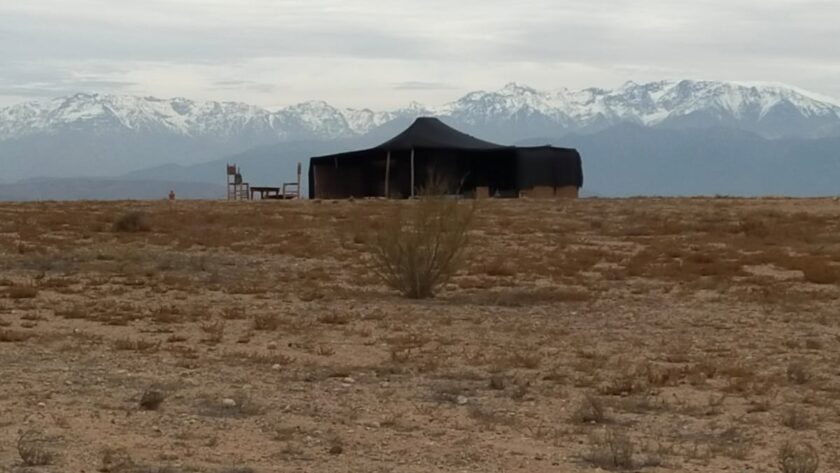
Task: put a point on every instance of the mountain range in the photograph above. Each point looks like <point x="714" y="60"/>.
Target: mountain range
<point x="93" y="135"/>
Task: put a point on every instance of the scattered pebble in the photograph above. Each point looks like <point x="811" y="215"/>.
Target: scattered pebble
<point x="228" y="402"/>
<point x="461" y="400"/>
<point x="276" y="367"/>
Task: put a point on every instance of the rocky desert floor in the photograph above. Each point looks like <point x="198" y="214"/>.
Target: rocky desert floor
<point x="655" y="335"/>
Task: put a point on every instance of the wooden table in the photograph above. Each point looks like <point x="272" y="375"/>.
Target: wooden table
<point x="265" y="192"/>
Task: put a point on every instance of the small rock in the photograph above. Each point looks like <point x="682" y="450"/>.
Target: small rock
<point x="272" y="345"/>
<point x="461" y="400"/>
<point x="336" y="450"/>
<point x="276" y="367"/>
<point x="42" y="404"/>
<point x="349" y="380"/>
<point x="228" y="402"/>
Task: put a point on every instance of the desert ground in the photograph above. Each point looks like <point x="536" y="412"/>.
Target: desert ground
<point x="655" y="335"/>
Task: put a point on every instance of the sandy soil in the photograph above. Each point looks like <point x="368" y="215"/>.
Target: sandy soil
<point x="690" y="335"/>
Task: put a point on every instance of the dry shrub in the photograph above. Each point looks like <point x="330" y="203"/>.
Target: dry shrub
<point x="796" y="418"/>
<point x="591" y="410"/>
<point x="798" y="458"/>
<point x="116" y="460"/>
<point x="132" y="222"/>
<point x="31" y="446"/>
<point x="13" y="336"/>
<point x="215" y="331"/>
<point x="419" y="246"/>
<point x="611" y="450"/>
<point x="528" y="358"/>
<point x="22" y="292"/>
<point x="798" y="372"/>
<point x="624" y="384"/>
<point x="821" y="273"/>
<point x="497" y="383"/>
<point x="152" y="399"/>
<point x="488" y="417"/>
<point x="754" y="227"/>
<point x="139" y="345"/>
<point x="324" y="350"/>
<point x="268" y="322"/>
<point x="334" y="318"/>
<point x="498" y="267"/>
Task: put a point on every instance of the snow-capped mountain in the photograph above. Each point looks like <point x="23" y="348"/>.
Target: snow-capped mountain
<point x="752" y="107"/>
<point x="770" y="110"/>
<point x="92" y="134"/>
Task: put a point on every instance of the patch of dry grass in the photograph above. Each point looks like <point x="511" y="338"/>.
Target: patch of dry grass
<point x="132" y="222"/>
<point x="22" y="292"/>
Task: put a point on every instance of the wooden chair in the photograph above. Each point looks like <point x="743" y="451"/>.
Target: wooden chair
<point x="236" y="188"/>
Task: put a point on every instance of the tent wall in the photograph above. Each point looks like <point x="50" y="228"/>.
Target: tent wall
<point x="509" y="172"/>
<point x="548" y="167"/>
<point x="336" y="182"/>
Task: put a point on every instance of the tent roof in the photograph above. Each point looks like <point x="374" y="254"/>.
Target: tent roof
<point x="427" y="132"/>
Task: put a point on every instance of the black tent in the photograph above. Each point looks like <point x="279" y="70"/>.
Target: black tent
<point x="429" y="147"/>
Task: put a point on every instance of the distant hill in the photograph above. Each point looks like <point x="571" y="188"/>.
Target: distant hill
<point x="628" y="160"/>
<point x="107" y="189"/>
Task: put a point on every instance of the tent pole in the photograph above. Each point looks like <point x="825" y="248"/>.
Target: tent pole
<point x="412" y="172"/>
<point x="387" y="173"/>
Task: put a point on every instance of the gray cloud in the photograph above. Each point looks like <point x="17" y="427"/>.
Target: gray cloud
<point x="25" y="80"/>
<point x="53" y="89"/>
<point x="244" y="84"/>
<point x="282" y="51"/>
<point x="419" y="85"/>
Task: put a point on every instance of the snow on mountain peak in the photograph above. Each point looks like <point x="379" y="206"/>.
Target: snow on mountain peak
<point x="739" y="104"/>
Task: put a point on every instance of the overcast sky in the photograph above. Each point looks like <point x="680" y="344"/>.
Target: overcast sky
<point x="385" y="53"/>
